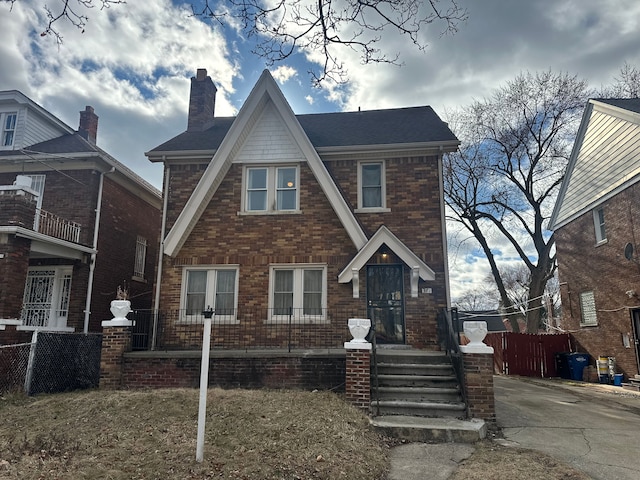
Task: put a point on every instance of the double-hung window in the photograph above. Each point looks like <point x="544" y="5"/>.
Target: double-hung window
<point x="298" y="291"/>
<point x="598" y="223"/>
<point x="271" y="189"/>
<point x="8" y="122"/>
<point x="215" y="287"/>
<point x="588" y="314"/>
<point x="371" y="186"/>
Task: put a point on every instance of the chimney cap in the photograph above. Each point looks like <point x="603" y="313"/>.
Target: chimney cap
<point x="201" y="74"/>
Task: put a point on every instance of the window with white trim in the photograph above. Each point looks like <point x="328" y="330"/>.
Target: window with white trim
<point x="371" y="186"/>
<point x="140" y="258"/>
<point x="588" y="314"/>
<point x="215" y="287"/>
<point x="8" y="122"/>
<point x="598" y="223"/>
<point x="37" y="184"/>
<point x="298" y="290"/>
<point x="271" y="189"/>
<point x="46" y="297"/>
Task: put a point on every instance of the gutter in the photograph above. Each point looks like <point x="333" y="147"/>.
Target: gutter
<point x="92" y="261"/>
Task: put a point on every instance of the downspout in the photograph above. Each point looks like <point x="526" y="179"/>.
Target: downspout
<point x="156" y="300"/>
<point x="443" y="218"/>
<point x="92" y="262"/>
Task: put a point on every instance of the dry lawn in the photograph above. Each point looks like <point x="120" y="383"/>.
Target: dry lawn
<point x="250" y="434"/>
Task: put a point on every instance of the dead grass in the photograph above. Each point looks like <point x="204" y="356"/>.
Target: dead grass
<point x="491" y="460"/>
<point x="250" y="434"/>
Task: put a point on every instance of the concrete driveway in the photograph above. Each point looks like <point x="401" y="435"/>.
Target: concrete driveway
<point x="594" y="428"/>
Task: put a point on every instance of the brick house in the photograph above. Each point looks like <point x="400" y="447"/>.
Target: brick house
<point x="74" y="224"/>
<point x="287" y="225"/>
<point x="595" y="221"/>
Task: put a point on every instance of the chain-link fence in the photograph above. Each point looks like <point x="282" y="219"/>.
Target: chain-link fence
<point x="56" y="362"/>
<point x="14" y="363"/>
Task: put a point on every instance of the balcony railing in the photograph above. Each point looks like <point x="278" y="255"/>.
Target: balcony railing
<point x="54" y="226"/>
<point x="244" y="329"/>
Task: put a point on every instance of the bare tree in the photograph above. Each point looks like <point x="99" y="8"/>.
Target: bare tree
<point x="626" y="85"/>
<point x="281" y="28"/>
<point x="477" y="299"/>
<point x="502" y="183"/>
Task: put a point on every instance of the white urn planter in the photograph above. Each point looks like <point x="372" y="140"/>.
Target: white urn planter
<point x="359" y="328"/>
<point x="476" y="333"/>
<point x="120" y="309"/>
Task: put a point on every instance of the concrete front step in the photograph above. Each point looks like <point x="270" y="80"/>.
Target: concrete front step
<point x="412" y="356"/>
<point x="434" y="430"/>
<point x="385" y="380"/>
<point x="414" y="369"/>
<point x="448" y="394"/>
<point x="418" y="409"/>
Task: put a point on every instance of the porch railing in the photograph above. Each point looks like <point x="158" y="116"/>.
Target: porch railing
<point x="55" y="226"/>
<point x="243" y="329"/>
<point x="449" y="339"/>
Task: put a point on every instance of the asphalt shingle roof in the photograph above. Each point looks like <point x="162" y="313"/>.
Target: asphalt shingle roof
<point x="631" y="104"/>
<point x="372" y="127"/>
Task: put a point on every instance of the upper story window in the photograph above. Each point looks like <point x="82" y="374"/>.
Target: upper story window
<point x="299" y="291"/>
<point x="271" y="189"/>
<point x="140" y="258"/>
<point x="598" y="222"/>
<point x="371" y="186"/>
<point x="214" y="287"/>
<point x="8" y="122"/>
<point x="588" y="314"/>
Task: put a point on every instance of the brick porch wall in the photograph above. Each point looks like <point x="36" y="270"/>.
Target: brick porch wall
<point x="478" y="373"/>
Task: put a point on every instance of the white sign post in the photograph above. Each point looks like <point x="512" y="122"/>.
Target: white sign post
<point x="204" y="382"/>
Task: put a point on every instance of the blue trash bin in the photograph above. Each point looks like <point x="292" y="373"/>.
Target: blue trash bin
<point x="577" y="363"/>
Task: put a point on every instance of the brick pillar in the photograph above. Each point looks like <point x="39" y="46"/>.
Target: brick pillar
<point x="478" y="377"/>
<point x="116" y="339"/>
<point x="358" y="382"/>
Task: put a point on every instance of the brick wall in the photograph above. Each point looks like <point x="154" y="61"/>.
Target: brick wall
<point x="315" y="236"/>
<point x="115" y="341"/>
<point x="248" y="370"/>
<point x="584" y="266"/>
<point x="13" y="271"/>
<point x="358" y="378"/>
<point x="478" y="372"/>
<point x="17" y="208"/>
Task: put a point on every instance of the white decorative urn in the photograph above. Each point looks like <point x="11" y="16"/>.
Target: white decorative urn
<point x="359" y="328"/>
<point x="475" y="332"/>
<point x="120" y="309"/>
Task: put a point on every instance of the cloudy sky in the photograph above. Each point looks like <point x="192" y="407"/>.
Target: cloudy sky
<point x="133" y="63"/>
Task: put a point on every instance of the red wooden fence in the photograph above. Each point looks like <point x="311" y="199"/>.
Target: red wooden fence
<point x="526" y="354"/>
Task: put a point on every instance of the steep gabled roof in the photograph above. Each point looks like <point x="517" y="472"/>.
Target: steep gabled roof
<point x="264" y="92"/>
<point x="604" y="161"/>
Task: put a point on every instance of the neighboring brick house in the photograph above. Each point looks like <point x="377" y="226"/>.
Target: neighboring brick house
<point x="284" y="222"/>
<point x="595" y="221"/>
<point x="74" y="224"/>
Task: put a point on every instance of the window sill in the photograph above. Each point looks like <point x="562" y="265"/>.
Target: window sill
<point x="588" y="325"/>
<point x="284" y="320"/>
<point x="601" y="242"/>
<point x="136" y="278"/>
<point x="199" y="320"/>
<point x="372" y="210"/>
<point x="271" y="212"/>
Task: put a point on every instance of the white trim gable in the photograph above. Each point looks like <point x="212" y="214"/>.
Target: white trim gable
<point x="419" y="269"/>
<point x="265" y="97"/>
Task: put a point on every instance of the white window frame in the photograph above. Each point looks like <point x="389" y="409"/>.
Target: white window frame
<point x="271" y="188"/>
<point x="210" y="294"/>
<point x="588" y="313"/>
<point x="298" y="293"/>
<point x="383" y="189"/>
<point x="37" y="184"/>
<point x="140" y="261"/>
<point x="58" y="311"/>
<point x="4" y="130"/>
<point x="599" y="223"/>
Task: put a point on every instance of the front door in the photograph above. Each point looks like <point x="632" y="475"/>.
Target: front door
<point x="635" y="319"/>
<point x="385" y="302"/>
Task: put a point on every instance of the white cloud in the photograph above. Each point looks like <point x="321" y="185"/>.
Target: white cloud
<point x="283" y="73"/>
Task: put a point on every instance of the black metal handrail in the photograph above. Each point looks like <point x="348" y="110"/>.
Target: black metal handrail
<point x="449" y="339"/>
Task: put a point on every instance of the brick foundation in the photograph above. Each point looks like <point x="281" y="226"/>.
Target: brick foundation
<point x="358" y="373"/>
<point x="478" y="375"/>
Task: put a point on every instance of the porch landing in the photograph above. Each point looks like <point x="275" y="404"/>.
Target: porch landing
<point x="431" y="430"/>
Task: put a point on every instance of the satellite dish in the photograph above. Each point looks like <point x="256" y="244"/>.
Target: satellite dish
<point x="628" y="251"/>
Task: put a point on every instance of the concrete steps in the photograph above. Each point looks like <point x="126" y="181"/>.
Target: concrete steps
<point x="430" y="430"/>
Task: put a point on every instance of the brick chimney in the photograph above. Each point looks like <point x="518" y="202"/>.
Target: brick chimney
<point x="202" y="101"/>
<point x="88" y="128"/>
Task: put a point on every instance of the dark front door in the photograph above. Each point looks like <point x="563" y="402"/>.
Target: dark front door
<point x="386" y="302"/>
<point x="635" y="318"/>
